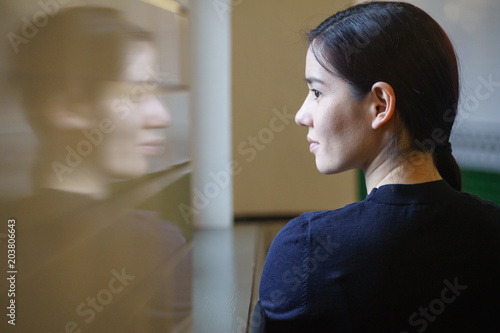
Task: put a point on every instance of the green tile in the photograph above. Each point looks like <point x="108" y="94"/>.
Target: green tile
<point x="485" y="185"/>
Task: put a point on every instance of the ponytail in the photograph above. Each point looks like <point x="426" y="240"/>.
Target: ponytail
<point x="447" y="166"/>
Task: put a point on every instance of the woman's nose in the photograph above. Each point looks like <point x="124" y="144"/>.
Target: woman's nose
<point x="157" y="115"/>
<point x="303" y="118"/>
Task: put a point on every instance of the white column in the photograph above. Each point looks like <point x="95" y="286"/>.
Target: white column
<point x="211" y="109"/>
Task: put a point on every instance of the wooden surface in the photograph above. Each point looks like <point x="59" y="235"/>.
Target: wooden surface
<point x="227" y="268"/>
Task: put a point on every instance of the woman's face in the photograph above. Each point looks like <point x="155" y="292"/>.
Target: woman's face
<point x="338" y="125"/>
<point x="137" y="119"/>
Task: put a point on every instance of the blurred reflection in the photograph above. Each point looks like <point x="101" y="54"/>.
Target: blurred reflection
<point x="86" y="260"/>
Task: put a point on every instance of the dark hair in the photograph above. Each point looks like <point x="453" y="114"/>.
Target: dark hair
<point x="401" y="45"/>
<point x="77" y="49"/>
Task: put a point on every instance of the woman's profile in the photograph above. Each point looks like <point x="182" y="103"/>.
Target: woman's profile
<point x="417" y="254"/>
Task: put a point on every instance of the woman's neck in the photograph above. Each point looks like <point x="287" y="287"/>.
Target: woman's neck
<point x="82" y="179"/>
<point x="419" y="168"/>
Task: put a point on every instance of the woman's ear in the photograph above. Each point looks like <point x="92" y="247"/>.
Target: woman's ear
<point x="65" y="115"/>
<point x="383" y="104"/>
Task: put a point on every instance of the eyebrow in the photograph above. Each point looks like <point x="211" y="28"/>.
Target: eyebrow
<point x="310" y="80"/>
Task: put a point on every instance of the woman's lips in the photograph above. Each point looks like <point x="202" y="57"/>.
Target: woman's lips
<point x="152" y="147"/>
<point x="313" y="144"/>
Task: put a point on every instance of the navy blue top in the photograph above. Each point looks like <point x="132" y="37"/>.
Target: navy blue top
<point x="408" y="258"/>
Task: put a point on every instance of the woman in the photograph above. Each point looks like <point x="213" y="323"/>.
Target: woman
<point x="88" y="86"/>
<point x="417" y="254"/>
<point x="88" y="261"/>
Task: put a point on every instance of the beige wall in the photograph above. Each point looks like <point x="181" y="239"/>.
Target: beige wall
<point x="278" y="174"/>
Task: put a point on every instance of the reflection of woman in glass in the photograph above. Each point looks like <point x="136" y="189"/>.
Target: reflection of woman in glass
<point x="416" y="254"/>
<point x="88" y="87"/>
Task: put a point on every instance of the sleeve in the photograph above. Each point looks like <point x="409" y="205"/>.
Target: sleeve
<point x="283" y="284"/>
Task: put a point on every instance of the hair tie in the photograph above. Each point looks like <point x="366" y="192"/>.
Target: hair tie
<point x="444" y="149"/>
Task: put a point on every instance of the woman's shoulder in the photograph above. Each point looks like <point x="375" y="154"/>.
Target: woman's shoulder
<point x="297" y="256"/>
<point x="349" y="216"/>
<point x="310" y="226"/>
<point x="316" y="232"/>
<point x="349" y="211"/>
<point x="475" y="201"/>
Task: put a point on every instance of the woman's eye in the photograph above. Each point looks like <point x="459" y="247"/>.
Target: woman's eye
<point x="316" y="93"/>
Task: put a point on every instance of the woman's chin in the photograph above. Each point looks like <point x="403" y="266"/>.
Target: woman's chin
<point x="128" y="171"/>
<point x="328" y="168"/>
